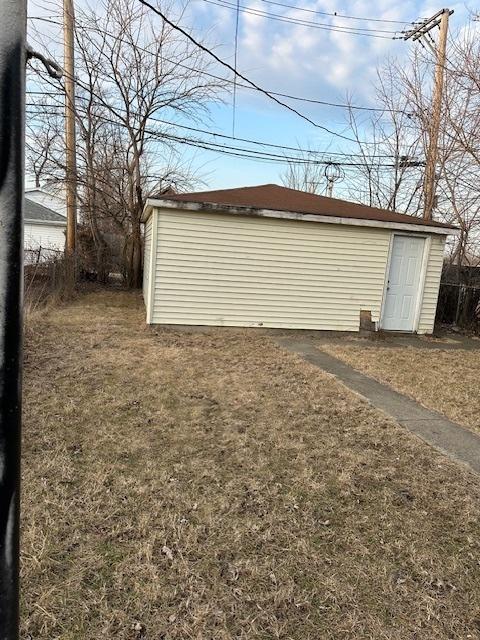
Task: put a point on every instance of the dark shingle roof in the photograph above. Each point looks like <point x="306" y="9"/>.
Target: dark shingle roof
<point x="35" y="211"/>
<point x="277" y="198"/>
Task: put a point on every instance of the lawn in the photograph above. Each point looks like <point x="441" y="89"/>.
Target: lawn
<point x="447" y="381"/>
<point x="210" y="486"/>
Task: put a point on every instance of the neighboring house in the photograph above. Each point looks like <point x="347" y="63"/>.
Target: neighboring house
<point x="268" y="256"/>
<point x="47" y="199"/>
<point x="43" y="229"/>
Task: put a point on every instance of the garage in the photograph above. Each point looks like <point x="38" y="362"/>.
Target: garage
<point x="269" y="256"/>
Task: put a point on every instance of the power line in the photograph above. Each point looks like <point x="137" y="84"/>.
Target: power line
<point x="359" y="31"/>
<point x="338" y="15"/>
<point x="303" y="9"/>
<point x="217" y="134"/>
<point x="215" y="146"/>
<point x="325" y="103"/>
<point x="239" y="152"/>
<point x="231" y="150"/>
<point x="53" y="5"/>
<point x="308" y="23"/>
<point x="225" y="136"/>
<point x="240" y="75"/>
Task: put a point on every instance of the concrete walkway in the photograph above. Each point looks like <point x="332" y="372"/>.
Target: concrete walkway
<point x="448" y="437"/>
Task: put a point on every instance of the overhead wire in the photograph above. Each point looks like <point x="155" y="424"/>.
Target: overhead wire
<point x="235" y="151"/>
<point x="225" y="136"/>
<point x="359" y="31"/>
<point x="238" y="152"/>
<point x="202" y="47"/>
<point x="216" y="146"/>
<point x="335" y="14"/>
<point x="217" y="134"/>
<point x="325" y="103"/>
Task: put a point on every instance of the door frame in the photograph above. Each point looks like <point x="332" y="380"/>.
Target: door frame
<point x="423" y="275"/>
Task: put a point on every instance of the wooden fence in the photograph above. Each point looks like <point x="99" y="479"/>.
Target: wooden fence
<point x="459" y="305"/>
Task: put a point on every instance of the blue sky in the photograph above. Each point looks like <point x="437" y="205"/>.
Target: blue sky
<point x="298" y="60"/>
<point x="303" y="61"/>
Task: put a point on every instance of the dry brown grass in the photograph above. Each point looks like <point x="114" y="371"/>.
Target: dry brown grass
<point x="182" y="485"/>
<point x="444" y="380"/>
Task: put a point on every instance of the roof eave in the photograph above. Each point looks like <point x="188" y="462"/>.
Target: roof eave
<point x="292" y="215"/>
<point x="52" y="223"/>
<point x="147" y="209"/>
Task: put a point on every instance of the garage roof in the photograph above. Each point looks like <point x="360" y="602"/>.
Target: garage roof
<point x="273" y="197"/>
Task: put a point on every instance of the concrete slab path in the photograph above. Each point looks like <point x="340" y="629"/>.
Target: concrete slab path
<point x="448" y="437"/>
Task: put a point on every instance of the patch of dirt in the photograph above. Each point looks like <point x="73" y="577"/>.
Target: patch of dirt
<point x="179" y="484"/>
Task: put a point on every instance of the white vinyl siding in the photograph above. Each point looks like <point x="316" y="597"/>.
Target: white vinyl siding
<point x="46" y="236"/>
<point x="147" y="254"/>
<point x="432" y="285"/>
<point x="231" y="270"/>
<point x="219" y="269"/>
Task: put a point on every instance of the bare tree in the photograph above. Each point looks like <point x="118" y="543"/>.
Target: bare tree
<point x="401" y="133"/>
<point x="305" y="175"/>
<point x="134" y="69"/>
<point x="388" y="148"/>
<point x="44" y="143"/>
<point x="135" y="76"/>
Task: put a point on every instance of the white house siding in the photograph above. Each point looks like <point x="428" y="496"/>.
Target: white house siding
<point x="147" y="253"/>
<point x="213" y="269"/>
<point x="432" y="284"/>
<point x="47" y="236"/>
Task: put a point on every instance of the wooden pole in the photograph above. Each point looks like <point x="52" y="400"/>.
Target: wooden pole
<point x="432" y="152"/>
<point x="12" y="170"/>
<point x="70" y="144"/>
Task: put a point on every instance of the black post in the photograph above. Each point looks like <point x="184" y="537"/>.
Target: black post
<point x="12" y="107"/>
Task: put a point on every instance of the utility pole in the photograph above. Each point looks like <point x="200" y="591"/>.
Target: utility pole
<point x="70" y="143"/>
<point x="440" y="19"/>
<point x="329" y="189"/>
<point x="333" y="173"/>
<point x="12" y="168"/>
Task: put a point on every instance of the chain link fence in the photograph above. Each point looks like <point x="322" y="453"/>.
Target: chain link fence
<point x="47" y="276"/>
<point x="51" y="276"/>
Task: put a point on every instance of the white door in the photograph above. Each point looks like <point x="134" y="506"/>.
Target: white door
<point x="403" y="286"/>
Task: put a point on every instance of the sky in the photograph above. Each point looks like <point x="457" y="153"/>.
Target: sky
<point x="315" y="63"/>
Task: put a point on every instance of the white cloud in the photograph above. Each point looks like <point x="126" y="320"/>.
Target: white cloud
<point x="317" y="63"/>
